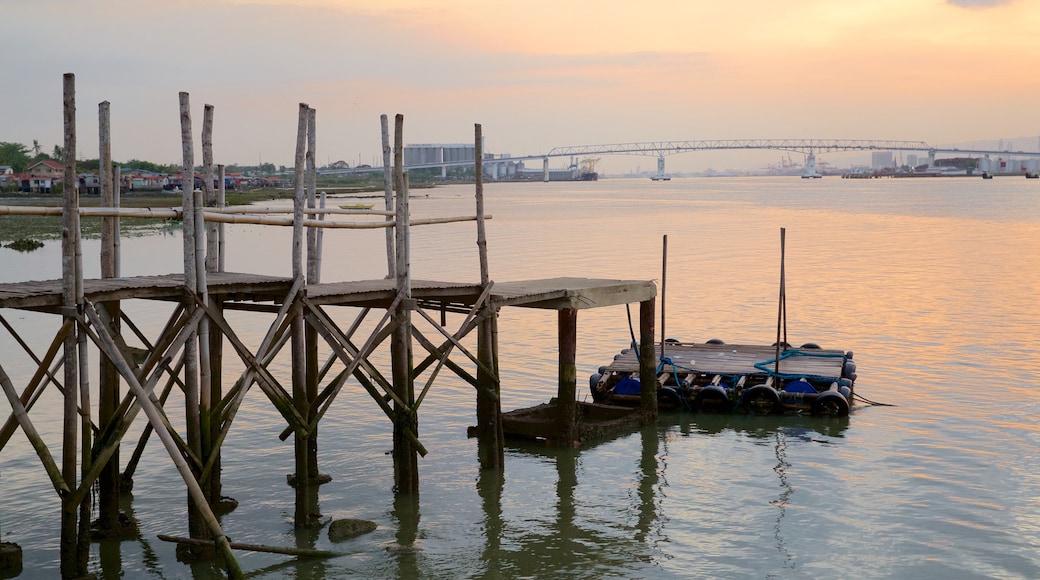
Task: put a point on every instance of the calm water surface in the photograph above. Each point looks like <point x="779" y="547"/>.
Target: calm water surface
<point x="932" y="283"/>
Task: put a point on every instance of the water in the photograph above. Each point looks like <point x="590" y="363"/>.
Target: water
<point x="931" y="282"/>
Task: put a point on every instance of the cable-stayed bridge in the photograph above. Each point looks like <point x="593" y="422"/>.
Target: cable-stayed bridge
<point x="662" y="149"/>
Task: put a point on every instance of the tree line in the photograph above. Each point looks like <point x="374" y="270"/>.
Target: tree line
<point x="20" y="157"/>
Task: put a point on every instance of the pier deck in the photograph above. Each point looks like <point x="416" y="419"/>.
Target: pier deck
<point x="552" y="293"/>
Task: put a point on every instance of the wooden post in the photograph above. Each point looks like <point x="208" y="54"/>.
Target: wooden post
<point x="117" y="193"/>
<point x="196" y="527"/>
<point x="221" y="202"/>
<point x="155" y="419"/>
<point x="108" y="401"/>
<point x="205" y="262"/>
<point x="406" y="465"/>
<point x="566" y="399"/>
<point x="647" y="361"/>
<point x="313" y="277"/>
<point x="209" y="194"/>
<point x="305" y="515"/>
<point x="391" y="260"/>
<point x="71" y="564"/>
<point x="491" y="449"/>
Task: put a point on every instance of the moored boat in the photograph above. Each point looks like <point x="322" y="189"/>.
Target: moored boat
<point x="722" y="378"/>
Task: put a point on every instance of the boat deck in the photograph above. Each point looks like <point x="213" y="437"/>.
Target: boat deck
<point x="736" y="359"/>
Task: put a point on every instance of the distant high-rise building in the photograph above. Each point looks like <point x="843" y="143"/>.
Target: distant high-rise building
<point x="881" y="160"/>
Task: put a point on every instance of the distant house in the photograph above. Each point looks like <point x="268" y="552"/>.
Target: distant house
<point x="339" y="165"/>
<point x="6" y="170"/>
<point x="47" y="168"/>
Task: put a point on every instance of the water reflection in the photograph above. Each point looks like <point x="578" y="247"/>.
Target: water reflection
<point x="805" y="428"/>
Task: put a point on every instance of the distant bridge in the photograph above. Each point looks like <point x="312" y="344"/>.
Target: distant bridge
<point x="661" y="149"/>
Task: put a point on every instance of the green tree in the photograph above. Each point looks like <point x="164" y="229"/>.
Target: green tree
<point x="14" y="154"/>
<point x="58" y="154"/>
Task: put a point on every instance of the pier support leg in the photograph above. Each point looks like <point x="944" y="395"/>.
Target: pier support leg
<point x="211" y="419"/>
<point x="490" y="437"/>
<point x="566" y="399"/>
<point x="306" y="514"/>
<point x="108" y="481"/>
<point x="647" y="362"/>
<point x="406" y="460"/>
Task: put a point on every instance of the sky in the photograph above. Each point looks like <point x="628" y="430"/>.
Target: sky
<point x="536" y="74"/>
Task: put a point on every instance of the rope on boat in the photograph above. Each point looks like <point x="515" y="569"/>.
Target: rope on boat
<point x="860" y="397"/>
<point x="631" y="329"/>
<point x="763" y="365"/>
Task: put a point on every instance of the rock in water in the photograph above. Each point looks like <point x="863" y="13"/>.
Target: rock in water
<point x="340" y="530"/>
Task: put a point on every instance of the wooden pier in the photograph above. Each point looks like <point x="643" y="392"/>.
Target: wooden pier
<point x="138" y="372"/>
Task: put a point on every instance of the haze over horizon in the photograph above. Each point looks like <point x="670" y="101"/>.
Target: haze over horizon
<point x="535" y="74"/>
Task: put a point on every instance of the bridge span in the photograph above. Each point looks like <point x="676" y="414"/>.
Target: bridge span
<point x="662" y="149"/>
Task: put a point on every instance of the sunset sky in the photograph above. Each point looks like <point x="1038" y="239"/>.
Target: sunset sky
<point x="536" y="74"/>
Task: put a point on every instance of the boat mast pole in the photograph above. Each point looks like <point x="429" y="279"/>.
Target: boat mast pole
<point x="664" y="283"/>
<point x="781" y="314"/>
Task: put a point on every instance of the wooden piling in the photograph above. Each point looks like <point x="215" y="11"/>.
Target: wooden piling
<point x="566" y="398"/>
<point x="406" y="465"/>
<point x="391" y="259"/>
<point x="108" y="400"/>
<point x="221" y="203"/>
<point x="71" y="563"/>
<point x="491" y="449"/>
<point x="196" y="527"/>
<point x="310" y="334"/>
<point x="647" y="361"/>
<point x="305" y="514"/>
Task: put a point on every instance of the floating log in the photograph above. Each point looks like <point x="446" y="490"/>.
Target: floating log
<point x="299" y="552"/>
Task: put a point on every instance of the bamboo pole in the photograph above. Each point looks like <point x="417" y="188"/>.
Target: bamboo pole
<point x="321" y="235"/>
<point x="108" y="399"/>
<point x="71" y="566"/>
<point x="221" y="204"/>
<point x="22" y="418"/>
<point x="406" y="467"/>
<point x="304" y="516"/>
<point x="107" y="198"/>
<point x="311" y="196"/>
<point x="191" y="362"/>
<point x="117" y="194"/>
<point x="30" y="394"/>
<point x="235" y="217"/>
<point x="209" y="195"/>
<point x="310" y="335"/>
<point x="489" y="409"/>
<point x="156" y="420"/>
<point x="391" y="259"/>
<point x="298" y="552"/>
<point x="205" y="262"/>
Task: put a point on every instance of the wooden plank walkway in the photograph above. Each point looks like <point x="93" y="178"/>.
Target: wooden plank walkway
<point x="230" y="285"/>
<point x="552" y="293"/>
<point x="736" y="359"/>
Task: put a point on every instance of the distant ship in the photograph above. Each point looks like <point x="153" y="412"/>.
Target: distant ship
<point x="810" y="168"/>
<point x="660" y="178"/>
